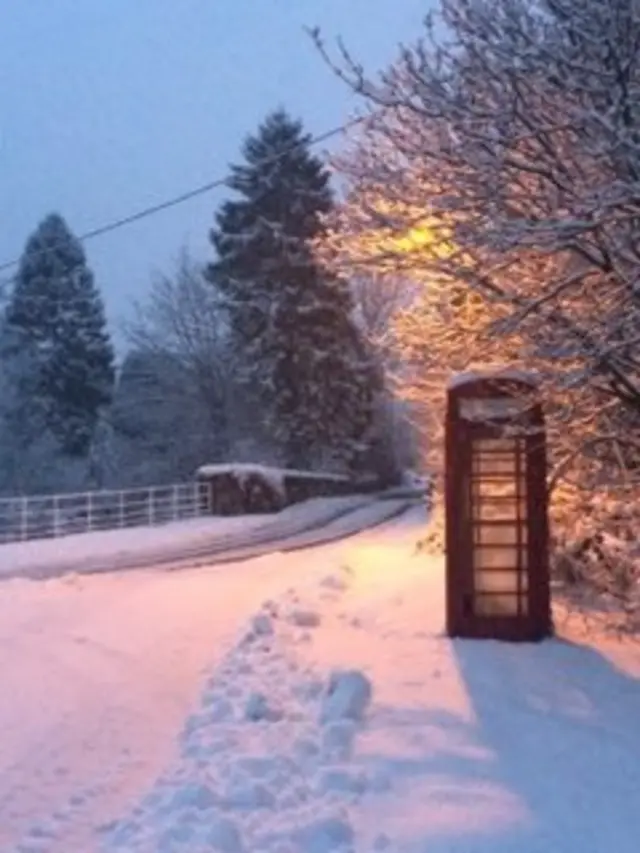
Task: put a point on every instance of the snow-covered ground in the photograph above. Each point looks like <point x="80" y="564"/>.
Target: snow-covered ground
<point x="306" y="702"/>
<point x="78" y="548"/>
<point x="176" y="541"/>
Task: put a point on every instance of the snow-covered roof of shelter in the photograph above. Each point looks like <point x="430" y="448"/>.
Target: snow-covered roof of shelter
<point x="508" y="373"/>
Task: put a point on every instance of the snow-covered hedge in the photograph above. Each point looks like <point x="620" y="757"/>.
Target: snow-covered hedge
<point x="595" y="547"/>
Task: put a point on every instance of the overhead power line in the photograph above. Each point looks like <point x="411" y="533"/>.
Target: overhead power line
<point x="147" y="212"/>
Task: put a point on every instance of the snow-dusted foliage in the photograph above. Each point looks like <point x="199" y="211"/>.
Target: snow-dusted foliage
<point x="57" y="356"/>
<point x="156" y="433"/>
<point x="174" y="402"/>
<point x="31" y="458"/>
<point x="178" y="402"/>
<point x="379" y="301"/>
<point x="55" y="325"/>
<point x="292" y="323"/>
<point x="499" y="166"/>
<point x="181" y="319"/>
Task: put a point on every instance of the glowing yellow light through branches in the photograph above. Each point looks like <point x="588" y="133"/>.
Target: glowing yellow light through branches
<point x="389" y="232"/>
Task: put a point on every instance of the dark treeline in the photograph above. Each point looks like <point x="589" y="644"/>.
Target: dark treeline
<point x="253" y="354"/>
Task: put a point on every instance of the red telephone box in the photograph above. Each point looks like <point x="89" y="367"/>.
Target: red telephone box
<point x="497" y="530"/>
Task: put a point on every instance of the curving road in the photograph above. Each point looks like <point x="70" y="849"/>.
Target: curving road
<point x="98" y="674"/>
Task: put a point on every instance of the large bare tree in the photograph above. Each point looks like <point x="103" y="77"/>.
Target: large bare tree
<point x="173" y="401"/>
<point x="509" y="134"/>
<point x="498" y="165"/>
<point x="181" y="318"/>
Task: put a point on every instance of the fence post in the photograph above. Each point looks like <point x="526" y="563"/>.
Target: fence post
<point x="152" y="509"/>
<point x="205" y="498"/>
<point x="174" y="502"/>
<point x="56" y="516"/>
<point x="121" y="509"/>
<point x="90" y="511"/>
<point x="24" y="518"/>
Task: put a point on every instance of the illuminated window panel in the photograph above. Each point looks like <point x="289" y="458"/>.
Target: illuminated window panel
<point x="505" y="604"/>
<point x="498" y="458"/>
<point x="501" y="557"/>
<point x="495" y="465"/>
<point x="499" y="534"/>
<point x="499" y="510"/>
<point x="512" y="582"/>
<point x="499" y="488"/>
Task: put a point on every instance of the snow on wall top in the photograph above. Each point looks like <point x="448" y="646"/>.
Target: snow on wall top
<point x="274" y="476"/>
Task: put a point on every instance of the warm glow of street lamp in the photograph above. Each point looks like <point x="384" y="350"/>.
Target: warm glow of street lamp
<point x="425" y="237"/>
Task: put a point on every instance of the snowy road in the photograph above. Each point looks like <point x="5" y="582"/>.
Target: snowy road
<point x="98" y="675"/>
<point x="202" y="541"/>
<point x="97" y="678"/>
<point x="160" y="712"/>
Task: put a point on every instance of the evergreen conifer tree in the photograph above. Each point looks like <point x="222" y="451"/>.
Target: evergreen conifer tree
<point x="55" y="334"/>
<point x="291" y="320"/>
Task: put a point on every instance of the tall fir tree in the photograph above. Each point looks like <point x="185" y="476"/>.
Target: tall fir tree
<point x="55" y="334"/>
<point x="291" y="320"/>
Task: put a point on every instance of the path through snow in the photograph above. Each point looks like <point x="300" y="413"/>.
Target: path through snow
<point x="98" y="675"/>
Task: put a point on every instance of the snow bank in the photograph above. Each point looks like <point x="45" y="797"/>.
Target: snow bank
<point x="17" y="557"/>
<point x="347" y="697"/>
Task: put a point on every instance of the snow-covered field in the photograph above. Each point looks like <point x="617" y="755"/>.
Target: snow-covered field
<point x="305" y="702"/>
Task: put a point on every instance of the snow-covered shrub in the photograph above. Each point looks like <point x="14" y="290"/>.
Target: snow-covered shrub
<point x="595" y="545"/>
<point x="432" y="542"/>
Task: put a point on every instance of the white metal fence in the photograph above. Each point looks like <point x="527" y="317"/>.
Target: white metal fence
<point x="40" y="517"/>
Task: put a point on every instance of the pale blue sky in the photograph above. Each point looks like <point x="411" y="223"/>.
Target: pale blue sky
<point x="107" y="106"/>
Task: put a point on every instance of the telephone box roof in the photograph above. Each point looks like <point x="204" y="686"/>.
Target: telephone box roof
<point x="508" y="374"/>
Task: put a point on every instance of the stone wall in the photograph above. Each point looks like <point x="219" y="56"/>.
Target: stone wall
<point x="244" y="489"/>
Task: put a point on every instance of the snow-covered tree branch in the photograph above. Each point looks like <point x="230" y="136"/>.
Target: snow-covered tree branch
<point x="181" y="319"/>
<point x="499" y="166"/>
<point x="173" y="400"/>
